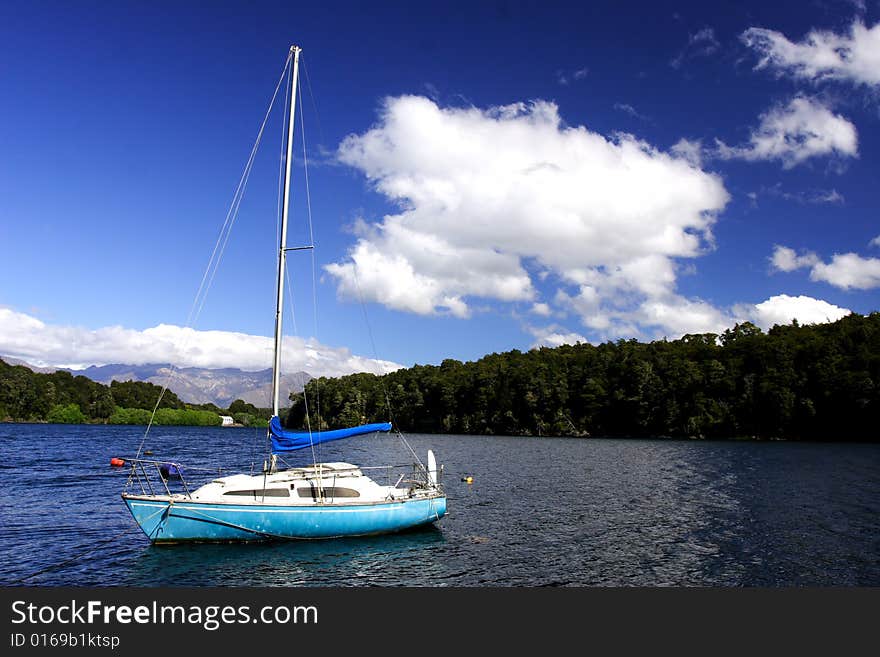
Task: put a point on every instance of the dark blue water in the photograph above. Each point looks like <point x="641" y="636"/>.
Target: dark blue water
<point x="541" y="511"/>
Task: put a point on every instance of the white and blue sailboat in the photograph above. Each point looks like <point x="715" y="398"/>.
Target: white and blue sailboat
<point x="322" y="500"/>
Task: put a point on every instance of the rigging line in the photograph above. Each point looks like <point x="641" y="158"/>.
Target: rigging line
<point x="302" y="133"/>
<point x="289" y="289"/>
<point x="312" y="244"/>
<point x="296" y="332"/>
<point x="216" y="256"/>
<point x="232" y="213"/>
<point x="278" y="209"/>
<point x="381" y="368"/>
<point x="291" y="306"/>
<point x="312" y="97"/>
<point x="254" y="449"/>
<point x="281" y="162"/>
<point x="242" y="187"/>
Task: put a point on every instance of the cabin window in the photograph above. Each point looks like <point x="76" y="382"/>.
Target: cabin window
<point x="329" y="491"/>
<point x="268" y="492"/>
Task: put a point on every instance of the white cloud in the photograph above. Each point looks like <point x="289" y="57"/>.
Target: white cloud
<point x="785" y="259"/>
<point x="487" y="196"/>
<point x="794" y="133"/>
<point x="586" y="304"/>
<point x="875" y="241"/>
<point x="425" y="273"/>
<point x="626" y="108"/>
<point x="541" y="309"/>
<point x="563" y="77"/>
<point x="676" y="316"/>
<point x="825" y="196"/>
<point x="554" y="336"/>
<point x="700" y="44"/>
<point x="689" y="150"/>
<point x="822" y="55"/>
<point x="847" y="270"/>
<point x="782" y="309"/>
<point x="811" y="197"/>
<point x="28" y="338"/>
<point x="663" y="315"/>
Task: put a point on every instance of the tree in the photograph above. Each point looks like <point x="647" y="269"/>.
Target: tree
<point x="241" y="406"/>
<point x="68" y="414"/>
<point x="144" y="395"/>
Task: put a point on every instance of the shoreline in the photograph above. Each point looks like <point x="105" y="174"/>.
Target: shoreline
<point x="744" y="439"/>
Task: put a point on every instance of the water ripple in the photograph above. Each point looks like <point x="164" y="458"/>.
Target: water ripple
<point x="541" y="512"/>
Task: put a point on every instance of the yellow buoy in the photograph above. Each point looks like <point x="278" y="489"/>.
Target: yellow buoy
<point x="468" y="479"/>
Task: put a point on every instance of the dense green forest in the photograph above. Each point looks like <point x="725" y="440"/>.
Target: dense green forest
<point x="27" y="396"/>
<point x="816" y="382"/>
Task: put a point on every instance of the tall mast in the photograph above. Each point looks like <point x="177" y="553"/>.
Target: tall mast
<point x="282" y="247"/>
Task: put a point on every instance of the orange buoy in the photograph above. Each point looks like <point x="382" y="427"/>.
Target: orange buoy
<point x="117" y="462"/>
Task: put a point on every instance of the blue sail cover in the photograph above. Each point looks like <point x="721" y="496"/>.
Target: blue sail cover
<point x="288" y="441"/>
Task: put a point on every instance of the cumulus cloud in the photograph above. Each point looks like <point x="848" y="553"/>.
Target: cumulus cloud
<point x="415" y="271"/>
<point x="845" y="270"/>
<point x="848" y="270"/>
<point x="28" y="338"/>
<point x="675" y="316"/>
<point x="782" y="309"/>
<point x="542" y="309"/>
<point x="691" y="150"/>
<point x="681" y="316"/>
<point x="795" y="132"/>
<point x="822" y="55"/>
<point x="489" y="198"/>
<point x="875" y="241"/>
<point x="786" y="259"/>
<point x="554" y="336"/>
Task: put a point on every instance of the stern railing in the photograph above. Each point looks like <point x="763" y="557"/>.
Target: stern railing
<point x="164" y="476"/>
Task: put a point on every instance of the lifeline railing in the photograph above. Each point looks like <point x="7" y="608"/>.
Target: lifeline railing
<point x="414" y="474"/>
<point x="418" y="474"/>
<point x="149" y="475"/>
<point x="144" y="472"/>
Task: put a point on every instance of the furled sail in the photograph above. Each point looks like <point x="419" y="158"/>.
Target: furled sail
<point x="288" y="441"/>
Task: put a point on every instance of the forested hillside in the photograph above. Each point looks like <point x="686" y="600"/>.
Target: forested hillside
<point x="28" y="396"/>
<point x="816" y="382"/>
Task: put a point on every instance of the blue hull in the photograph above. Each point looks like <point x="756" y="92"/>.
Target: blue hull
<point x="189" y="520"/>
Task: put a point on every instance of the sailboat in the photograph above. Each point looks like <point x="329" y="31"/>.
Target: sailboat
<point x="321" y="500"/>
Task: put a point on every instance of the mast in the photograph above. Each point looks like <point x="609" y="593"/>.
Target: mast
<point x="282" y="247"/>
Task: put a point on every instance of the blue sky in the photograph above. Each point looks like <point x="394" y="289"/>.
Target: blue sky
<point x="485" y="176"/>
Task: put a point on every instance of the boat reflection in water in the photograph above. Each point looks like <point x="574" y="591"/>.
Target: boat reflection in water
<point x="375" y="561"/>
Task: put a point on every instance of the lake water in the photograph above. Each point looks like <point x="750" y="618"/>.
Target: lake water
<point x="540" y="511"/>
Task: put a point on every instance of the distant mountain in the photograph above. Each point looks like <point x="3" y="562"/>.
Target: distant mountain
<point x="33" y="368"/>
<point x="195" y="385"/>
